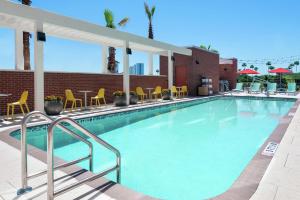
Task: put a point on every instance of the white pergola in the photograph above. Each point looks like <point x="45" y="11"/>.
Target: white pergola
<point x="24" y="18"/>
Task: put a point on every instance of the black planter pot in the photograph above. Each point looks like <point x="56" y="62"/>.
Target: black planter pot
<point x="166" y="95"/>
<point x="120" y="100"/>
<point x="53" y="107"/>
<point x="133" y="99"/>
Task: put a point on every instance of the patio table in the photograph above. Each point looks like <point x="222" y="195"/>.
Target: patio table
<point x="150" y="94"/>
<point x="4" y="95"/>
<point x="85" y="97"/>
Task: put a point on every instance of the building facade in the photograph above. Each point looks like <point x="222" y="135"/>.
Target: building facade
<point x="137" y="69"/>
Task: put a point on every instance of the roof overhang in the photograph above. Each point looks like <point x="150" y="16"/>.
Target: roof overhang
<point x="21" y="17"/>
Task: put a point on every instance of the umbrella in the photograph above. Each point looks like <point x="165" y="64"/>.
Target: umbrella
<point x="248" y="71"/>
<point x="280" y="71"/>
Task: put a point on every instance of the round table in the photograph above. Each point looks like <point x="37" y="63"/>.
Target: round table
<point x="150" y="94"/>
<point x="85" y="96"/>
<point x="4" y="95"/>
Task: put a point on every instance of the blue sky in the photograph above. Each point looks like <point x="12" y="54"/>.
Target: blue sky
<point x="249" y="30"/>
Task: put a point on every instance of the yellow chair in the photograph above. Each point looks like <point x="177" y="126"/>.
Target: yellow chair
<point x="70" y="97"/>
<point x="174" y="91"/>
<point x="21" y="102"/>
<point x="157" y="92"/>
<point x="141" y="94"/>
<point x="184" y="91"/>
<point x="100" y="95"/>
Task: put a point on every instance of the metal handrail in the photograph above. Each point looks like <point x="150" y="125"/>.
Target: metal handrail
<point x="24" y="165"/>
<point x="50" y="161"/>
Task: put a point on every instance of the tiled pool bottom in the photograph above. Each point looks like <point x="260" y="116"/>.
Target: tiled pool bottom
<point x="175" y="152"/>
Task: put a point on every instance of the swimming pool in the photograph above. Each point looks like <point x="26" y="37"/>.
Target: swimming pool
<point x="189" y="151"/>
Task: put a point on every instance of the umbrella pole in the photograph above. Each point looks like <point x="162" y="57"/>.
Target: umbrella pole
<point x="280" y="80"/>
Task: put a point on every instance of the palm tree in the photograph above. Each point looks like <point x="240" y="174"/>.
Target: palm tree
<point x="150" y="13"/>
<point x="268" y="66"/>
<point x="255" y="68"/>
<point x="290" y="67"/>
<point x="271" y="67"/>
<point x="251" y="66"/>
<point x="296" y="63"/>
<point x="244" y="65"/>
<point x="109" y="19"/>
<point x="26" y="43"/>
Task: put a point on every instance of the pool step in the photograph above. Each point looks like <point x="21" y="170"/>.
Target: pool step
<point x="39" y="186"/>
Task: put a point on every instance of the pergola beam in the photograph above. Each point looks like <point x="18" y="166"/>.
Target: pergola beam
<point x="58" y="25"/>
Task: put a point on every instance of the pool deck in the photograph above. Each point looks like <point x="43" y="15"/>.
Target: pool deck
<point x="280" y="181"/>
<point x="282" y="178"/>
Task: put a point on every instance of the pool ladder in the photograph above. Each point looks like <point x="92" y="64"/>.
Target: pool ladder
<point x="50" y="158"/>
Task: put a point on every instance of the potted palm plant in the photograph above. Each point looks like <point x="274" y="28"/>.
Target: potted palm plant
<point x="53" y="105"/>
<point x="119" y="98"/>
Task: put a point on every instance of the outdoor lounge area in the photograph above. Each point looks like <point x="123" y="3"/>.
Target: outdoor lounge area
<point x="153" y="119"/>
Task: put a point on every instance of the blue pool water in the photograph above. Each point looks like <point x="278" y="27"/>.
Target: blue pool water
<point x="196" y="152"/>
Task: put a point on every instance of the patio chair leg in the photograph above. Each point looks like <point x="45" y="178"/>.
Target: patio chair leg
<point x="27" y="108"/>
<point x="73" y="104"/>
<point x="65" y="105"/>
<point x="22" y="109"/>
<point x="7" y="114"/>
<point x="12" y="111"/>
<point x="104" y="100"/>
<point x="98" y="102"/>
<point x="80" y="104"/>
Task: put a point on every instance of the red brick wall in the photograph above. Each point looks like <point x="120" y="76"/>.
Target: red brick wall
<point x="229" y="72"/>
<point x="208" y="67"/>
<point x="15" y="82"/>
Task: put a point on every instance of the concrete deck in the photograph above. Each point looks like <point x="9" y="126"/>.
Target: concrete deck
<point x="282" y="178"/>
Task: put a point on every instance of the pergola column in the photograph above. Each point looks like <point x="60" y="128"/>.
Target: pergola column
<point x="150" y="64"/>
<point x="38" y="69"/>
<point x="126" y="76"/>
<point x="170" y="69"/>
<point x="19" y="57"/>
<point x="104" y="54"/>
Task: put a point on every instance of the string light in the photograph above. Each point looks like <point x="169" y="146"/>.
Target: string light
<point x="274" y="61"/>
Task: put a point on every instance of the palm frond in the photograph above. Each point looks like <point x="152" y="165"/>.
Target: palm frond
<point x="153" y="11"/>
<point x="109" y="18"/>
<point x="123" y="22"/>
<point x="147" y="10"/>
